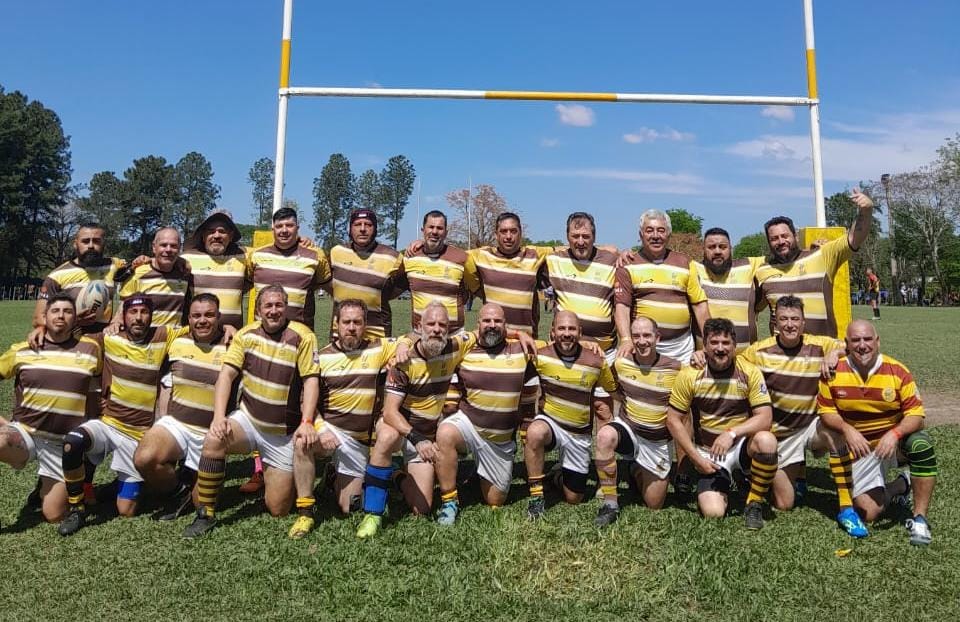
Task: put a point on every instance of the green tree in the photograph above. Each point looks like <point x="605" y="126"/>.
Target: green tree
<point x="333" y="197"/>
<point x="683" y="221"/>
<point x="370" y="193"/>
<point x="841" y="211"/>
<point x="753" y="245"/>
<point x="104" y="205"/>
<point x="196" y="194"/>
<point x="149" y="192"/>
<point x="260" y="177"/>
<point x="396" y="181"/>
<point x="34" y="180"/>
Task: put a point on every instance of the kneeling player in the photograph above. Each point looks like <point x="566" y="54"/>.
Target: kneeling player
<point x="41" y="416"/>
<point x="639" y="431"/>
<point x="277" y="361"/>
<point x="732" y="416"/>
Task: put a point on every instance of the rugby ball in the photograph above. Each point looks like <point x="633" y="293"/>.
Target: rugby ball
<point x="95" y="296"/>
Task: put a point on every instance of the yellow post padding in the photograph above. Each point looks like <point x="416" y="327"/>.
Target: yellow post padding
<point x="841" y="281"/>
<point x="285" y="63"/>
<point x="260" y="238"/>
<point x="812" y="74"/>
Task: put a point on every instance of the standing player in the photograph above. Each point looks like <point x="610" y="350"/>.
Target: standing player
<point x="366" y="270"/>
<point x="194" y="362"/>
<point x="131" y="375"/>
<point x="219" y="265"/>
<point x="277" y="361"/>
<point x="43" y="416"/>
<point x="163" y="280"/>
<point x="729" y="285"/>
<point x="660" y="284"/>
<point x="809" y="275"/>
<point x="639" y="431"/>
<point x="873" y="402"/>
<point x="569" y="373"/>
<point x="349" y="370"/>
<point x="731" y="412"/>
<point x="873" y="292"/>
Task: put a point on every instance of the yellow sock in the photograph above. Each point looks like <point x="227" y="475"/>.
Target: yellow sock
<point x="762" y="469"/>
<point x="841" y="467"/>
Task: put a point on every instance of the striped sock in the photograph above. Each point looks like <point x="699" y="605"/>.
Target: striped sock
<point x="536" y="485"/>
<point x="210" y="475"/>
<point x="841" y="467"/>
<point x="762" y="469"/>
<point x="305" y="505"/>
<point x="607" y="474"/>
<point x="450" y="496"/>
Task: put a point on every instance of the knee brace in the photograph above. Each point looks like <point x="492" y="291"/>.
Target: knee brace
<point x="574" y="481"/>
<point x="75" y="445"/>
<point x="920" y="454"/>
<point x="129" y="491"/>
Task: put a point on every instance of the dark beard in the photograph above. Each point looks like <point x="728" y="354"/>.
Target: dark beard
<point x="791" y="257"/>
<point x="91" y="259"/>
<point x="723" y="269"/>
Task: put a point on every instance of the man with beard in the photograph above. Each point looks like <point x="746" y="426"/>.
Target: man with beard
<point x="492" y="374"/>
<point x="164" y="280"/>
<point x="416" y="390"/>
<point x="41" y="416"/>
<point x="731" y="412"/>
<point x="193" y="362"/>
<point x="219" y="265"/>
<point x="131" y="374"/>
<point x="729" y="285"/>
<point x="366" y="270"/>
<point x="349" y="368"/>
<point x="661" y="284"/>
<point x="569" y="373"/>
<point x="88" y="265"/>
<point x="639" y="431"/>
<point x="277" y="361"/>
<point x="872" y="401"/>
<point x="809" y="275"/>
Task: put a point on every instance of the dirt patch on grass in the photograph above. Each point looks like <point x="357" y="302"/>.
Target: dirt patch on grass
<point x="941" y="408"/>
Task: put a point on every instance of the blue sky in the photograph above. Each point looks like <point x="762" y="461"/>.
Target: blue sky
<point x="130" y="79"/>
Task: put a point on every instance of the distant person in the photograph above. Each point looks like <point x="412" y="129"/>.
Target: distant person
<point x="873" y="292"/>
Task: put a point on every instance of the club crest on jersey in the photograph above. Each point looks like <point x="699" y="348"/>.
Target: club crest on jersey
<point x="888" y="394"/>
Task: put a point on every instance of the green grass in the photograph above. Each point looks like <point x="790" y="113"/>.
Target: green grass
<point x="495" y="565"/>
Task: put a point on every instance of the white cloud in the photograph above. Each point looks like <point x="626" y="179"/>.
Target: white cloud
<point x="653" y="182"/>
<point x="549" y="143"/>
<point x="370" y="84"/>
<point x="778" y="113"/>
<point x="649" y="135"/>
<point x="575" y="115"/>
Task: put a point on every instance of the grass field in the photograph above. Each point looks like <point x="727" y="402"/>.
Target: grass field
<point x="494" y="565"/>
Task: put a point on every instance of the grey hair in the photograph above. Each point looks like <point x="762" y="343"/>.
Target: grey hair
<point x="655" y="214"/>
<point x="168" y="228"/>
<point x="434" y="304"/>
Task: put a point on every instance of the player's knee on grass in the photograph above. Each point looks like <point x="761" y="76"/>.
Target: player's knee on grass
<point x="449" y="437"/>
<point x="782" y="493"/>
<point x="53" y="495"/>
<point x="492" y="496"/>
<point x="712" y="504"/>
<point x="870" y="505"/>
<point x="127" y="496"/>
<point x="654" y="489"/>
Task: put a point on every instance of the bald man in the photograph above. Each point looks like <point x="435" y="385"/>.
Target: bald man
<point x="872" y="401"/>
<point x="569" y="374"/>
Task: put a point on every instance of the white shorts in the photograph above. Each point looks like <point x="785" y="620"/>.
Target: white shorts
<point x="410" y="455"/>
<point x="188" y="440"/>
<point x="731" y="461"/>
<point x="870" y="472"/>
<point x="531" y="391"/>
<point x="574" y="448"/>
<point x="351" y="456"/>
<point x="166" y="380"/>
<point x="276" y="450"/>
<point x="494" y="460"/>
<point x="792" y="449"/>
<point x="610" y="356"/>
<point x="679" y="348"/>
<point x="107" y="438"/>
<point x="653" y="456"/>
<point x="47" y="452"/>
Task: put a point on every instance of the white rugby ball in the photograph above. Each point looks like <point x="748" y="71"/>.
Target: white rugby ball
<point x="95" y="296"/>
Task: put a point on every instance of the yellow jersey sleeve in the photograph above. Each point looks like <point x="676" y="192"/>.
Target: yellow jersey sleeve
<point x="235" y="355"/>
<point x="758" y="394"/>
<point x="825" y="403"/>
<point x="308" y="356"/>
<point x="606" y="380"/>
<point x="835" y="252"/>
<point x="323" y="274"/>
<point x="910" y="404"/>
<point x="470" y="276"/>
<point x="8" y="361"/>
<point x="695" y="293"/>
<point x="681" y="395"/>
<point x="750" y="354"/>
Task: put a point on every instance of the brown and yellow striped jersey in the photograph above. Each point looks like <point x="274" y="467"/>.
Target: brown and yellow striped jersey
<point x="718" y="400"/>
<point x="169" y="291"/>
<point x="273" y="368"/>
<point x="71" y="278"/>
<point x="299" y="270"/>
<point x="645" y="394"/>
<point x="491" y="381"/>
<point x="875" y="405"/>
<point x="348" y="385"/>
<point x="587" y="289"/>
<point x="131" y="377"/>
<point x="568" y="386"/>
<point x="510" y="282"/>
<point x="194" y="367"/>
<point x="371" y="277"/>
<point x="423" y="382"/>
<point x="52" y="383"/>
<point x="810" y="278"/>
<point x="437" y="278"/>
<point x="793" y="378"/>
<point x="733" y="296"/>
<point x="662" y="291"/>
<point x="224" y="276"/>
